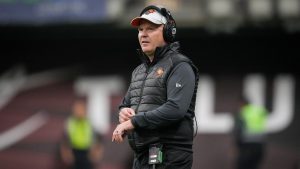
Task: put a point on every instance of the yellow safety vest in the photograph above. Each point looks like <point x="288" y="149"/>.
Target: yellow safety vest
<point x="80" y="133"/>
<point x="254" y="118"/>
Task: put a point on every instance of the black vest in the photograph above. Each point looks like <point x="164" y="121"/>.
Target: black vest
<point x="148" y="91"/>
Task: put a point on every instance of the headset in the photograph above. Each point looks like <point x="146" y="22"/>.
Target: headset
<point x="169" y="31"/>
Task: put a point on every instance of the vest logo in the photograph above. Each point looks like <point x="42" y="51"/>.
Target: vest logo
<point x="159" y="72"/>
<point x="178" y="85"/>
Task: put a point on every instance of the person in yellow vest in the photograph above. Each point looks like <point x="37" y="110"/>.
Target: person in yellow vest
<point x="80" y="148"/>
<point x="250" y="135"/>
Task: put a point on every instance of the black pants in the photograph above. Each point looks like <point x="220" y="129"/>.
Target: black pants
<point x="81" y="159"/>
<point x="172" y="159"/>
<point x="250" y="155"/>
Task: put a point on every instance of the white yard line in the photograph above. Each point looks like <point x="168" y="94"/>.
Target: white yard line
<point x="22" y="130"/>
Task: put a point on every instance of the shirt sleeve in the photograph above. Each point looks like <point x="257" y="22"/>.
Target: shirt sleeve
<point x="180" y="89"/>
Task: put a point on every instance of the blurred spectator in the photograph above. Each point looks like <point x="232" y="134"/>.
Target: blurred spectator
<point x="81" y="147"/>
<point x="249" y="132"/>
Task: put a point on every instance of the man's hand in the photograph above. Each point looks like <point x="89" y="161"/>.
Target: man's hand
<point x="119" y="132"/>
<point x="125" y="114"/>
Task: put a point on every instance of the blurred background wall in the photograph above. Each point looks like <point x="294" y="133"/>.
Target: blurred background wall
<point x="53" y="50"/>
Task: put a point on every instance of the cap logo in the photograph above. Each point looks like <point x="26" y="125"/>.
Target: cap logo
<point x="150" y="11"/>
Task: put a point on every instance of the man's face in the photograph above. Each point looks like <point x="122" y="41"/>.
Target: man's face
<point x="150" y="36"/>
<point x="79" y="109"/>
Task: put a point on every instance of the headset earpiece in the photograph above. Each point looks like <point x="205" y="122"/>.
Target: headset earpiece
<point x="170" y="26"/>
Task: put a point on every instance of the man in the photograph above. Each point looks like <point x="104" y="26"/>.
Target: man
<point x="80" y="149"/>
<point x="158" y="109"/>
<point x="250" y="135"/>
